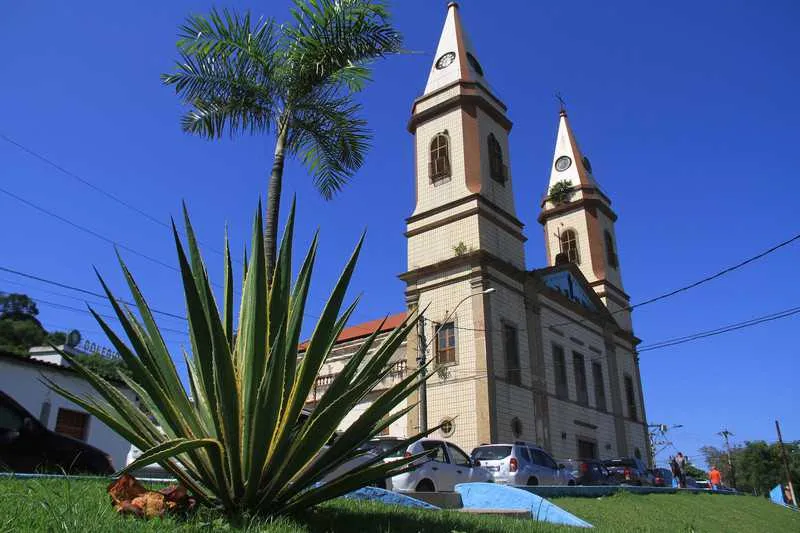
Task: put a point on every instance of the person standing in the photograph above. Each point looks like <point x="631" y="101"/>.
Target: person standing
<point x="680" y="460"/>
<point x="715" y="477"/>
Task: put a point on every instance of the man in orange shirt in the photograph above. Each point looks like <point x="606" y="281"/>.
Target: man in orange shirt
<point x="715" y="477"/>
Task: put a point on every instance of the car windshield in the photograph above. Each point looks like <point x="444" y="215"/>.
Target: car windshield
<point x="491" y="453"/>
<point x="382" y="446"/>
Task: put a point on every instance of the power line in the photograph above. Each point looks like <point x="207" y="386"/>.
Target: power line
<point x="94" y="187"/>
<point x="87" y="230"/>
<point x="706" y="279"/>
<point x="83" y="291"/>
<point x="719" y="331"/>
<point x="78" y="310"/>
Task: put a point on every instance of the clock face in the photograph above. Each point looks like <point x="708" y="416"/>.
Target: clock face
<point x="445" y="60"/>
<point x="563" y="163"/>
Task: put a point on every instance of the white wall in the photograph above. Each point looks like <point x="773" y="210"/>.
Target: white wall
<point x="22" y="381"/>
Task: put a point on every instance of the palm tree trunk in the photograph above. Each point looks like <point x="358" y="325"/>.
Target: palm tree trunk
<point x="274" y="196"/>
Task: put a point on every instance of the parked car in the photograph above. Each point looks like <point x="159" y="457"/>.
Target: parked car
<point x="588" y="471"/>
<point x="629" y="471"/>
<point x="27" y="446"/>
<point x="381" y="445"/>
<point x="446" y="466"/>
<point x="662" y="477"/>
<point x="521" y="464"/>
<point x="702" y="484"/>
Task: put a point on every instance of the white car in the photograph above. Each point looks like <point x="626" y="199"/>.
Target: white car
<point x="521" y="464"/>
<point x="446" y="467"/>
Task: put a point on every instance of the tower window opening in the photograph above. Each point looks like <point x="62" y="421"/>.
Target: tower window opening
<point x="446" y="343"/>
<point x="610" y="252"/>
<point x="569" y="246"/>
<point x="439" y="165"/>
<point x="497" y="170"/>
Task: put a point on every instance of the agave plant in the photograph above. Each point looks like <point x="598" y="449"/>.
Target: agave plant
<point x="242" y="440"/>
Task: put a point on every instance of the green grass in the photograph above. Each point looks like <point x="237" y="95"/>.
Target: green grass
<point x="82" y="506"/>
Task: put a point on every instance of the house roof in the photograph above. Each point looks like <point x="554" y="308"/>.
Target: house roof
<point x="29" y="361"/>
<point x="366" y="329"/>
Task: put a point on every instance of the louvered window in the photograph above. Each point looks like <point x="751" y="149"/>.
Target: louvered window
<point x="439" y="165"/>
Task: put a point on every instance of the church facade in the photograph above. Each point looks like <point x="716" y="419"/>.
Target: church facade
<point x="545" y="355"/>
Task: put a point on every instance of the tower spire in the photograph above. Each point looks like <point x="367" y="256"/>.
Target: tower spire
<point x="569" y="163"/>
<point x="455" y="58"/>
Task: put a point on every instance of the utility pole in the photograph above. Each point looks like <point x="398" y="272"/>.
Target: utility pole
<point x="423" y="389"/>
<point x="659" y="431"/>
<point x="786" y="463"/>
<point x="725" y="434"/>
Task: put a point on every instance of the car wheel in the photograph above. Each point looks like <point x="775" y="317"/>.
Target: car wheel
<point x="426" y="485"/>
<point x="532" y="481"/>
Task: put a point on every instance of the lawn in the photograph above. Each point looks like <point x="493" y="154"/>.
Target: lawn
<point x="82" y="506"/>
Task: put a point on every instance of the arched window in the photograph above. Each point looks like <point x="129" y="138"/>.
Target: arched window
<point x="569" y="246"/>
<point x="496" y="167"/>
<point x="610" y="252"/>
<point x="439" y="165"/>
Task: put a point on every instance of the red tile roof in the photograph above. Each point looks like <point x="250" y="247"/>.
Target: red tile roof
<point x="366" y="329"/>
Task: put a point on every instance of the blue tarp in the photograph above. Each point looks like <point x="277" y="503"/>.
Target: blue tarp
<point x="776" y="495"/>
<point x="493" y="496"/>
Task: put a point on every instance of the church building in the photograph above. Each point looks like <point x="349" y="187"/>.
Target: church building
<point x="544" y="355"/>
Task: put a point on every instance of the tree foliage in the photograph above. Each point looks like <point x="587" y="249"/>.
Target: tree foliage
<point x="241" y="75"/>
<point x="758" y="464"/>
<point x="19" y="328"/>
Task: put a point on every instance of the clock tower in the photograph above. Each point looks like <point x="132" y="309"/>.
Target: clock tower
<point x="463" y="238"/>
<point x="579" y="223"/>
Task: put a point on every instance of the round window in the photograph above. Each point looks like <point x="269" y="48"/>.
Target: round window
<point x="516" y="427"/>
<point x="563" y="163"/>
<point x="448" y="427"/>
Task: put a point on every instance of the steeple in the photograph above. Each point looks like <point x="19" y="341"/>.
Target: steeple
<point x="579" y="222"/>
<point x="455" y="58"/>
<point x="569" y="163"/>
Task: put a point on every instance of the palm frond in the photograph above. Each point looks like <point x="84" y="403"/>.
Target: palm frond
<point x="330" y="139"/>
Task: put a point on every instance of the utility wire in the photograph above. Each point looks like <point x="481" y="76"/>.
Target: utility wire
<point x="78" y="310"/>
<point x="697" y="283"/>
<point x="725" y="329"/>
<point x="87" y="230"/>
<point x="96" y="188"/>
<point x="83" y="291"/>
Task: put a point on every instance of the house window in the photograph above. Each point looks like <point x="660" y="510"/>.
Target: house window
<point x="439" y="165"/>
<point x="610" y="252"/>
<point x="446" y="343"/>
<point x="513" y="372"/>
<point x="560" y="365"/>
<point x="72" y="424"/>
<point x="579" y="367"/>
<point x="569" y="246"/>
<point x="497" y="170"/>
<point x="630" y="397"/>
<point x="599" y="386"/>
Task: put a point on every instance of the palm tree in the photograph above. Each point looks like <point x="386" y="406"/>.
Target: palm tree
<point x="239" y="75"/>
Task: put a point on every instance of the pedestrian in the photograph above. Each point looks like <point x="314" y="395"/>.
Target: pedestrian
<point x="715" y="477"/>
<point x="676" y="472"/>
<point x="680" y="460"/>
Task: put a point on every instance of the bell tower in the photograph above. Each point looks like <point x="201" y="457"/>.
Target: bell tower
<point x="463" y="238"/>
<point x="579" y="223"/>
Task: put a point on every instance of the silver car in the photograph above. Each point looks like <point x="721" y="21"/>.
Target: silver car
<point x="521" y="464"/>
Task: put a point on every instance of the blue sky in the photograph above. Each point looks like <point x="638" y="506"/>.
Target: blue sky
<point x="688" y="111"/>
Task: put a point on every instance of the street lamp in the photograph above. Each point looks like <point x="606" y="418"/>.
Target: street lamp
<point x="422" y="356"/>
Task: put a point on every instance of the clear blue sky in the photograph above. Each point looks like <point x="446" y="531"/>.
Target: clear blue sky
<point x="688" y="110"/>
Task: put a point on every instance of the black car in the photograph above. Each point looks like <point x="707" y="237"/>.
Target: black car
<point x="26" y="446"/>
<point x="588" y="471"/>
<point x="662" y="477"/>
<point x="629" y="471"/>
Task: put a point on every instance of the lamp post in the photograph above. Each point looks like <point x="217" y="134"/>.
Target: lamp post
<point x="422" y="356"/>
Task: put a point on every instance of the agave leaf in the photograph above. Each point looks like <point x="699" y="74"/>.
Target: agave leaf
<point x="168" y="449"/>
